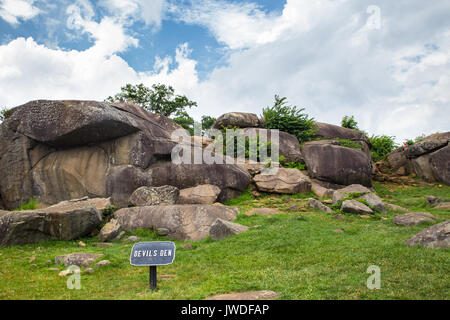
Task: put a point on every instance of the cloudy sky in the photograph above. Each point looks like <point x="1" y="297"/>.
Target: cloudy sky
<point x="385" y="62"/>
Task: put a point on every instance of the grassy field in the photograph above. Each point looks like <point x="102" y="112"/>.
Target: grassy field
<point x="297" y="254"/>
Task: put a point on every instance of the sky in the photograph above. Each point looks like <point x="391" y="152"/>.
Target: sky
<point x="385" y="62"/>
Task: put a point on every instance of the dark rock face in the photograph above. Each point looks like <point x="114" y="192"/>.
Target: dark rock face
<point x="61" y="150"/>
<point x="333" y="163"/>
<point x="237" y="119"/>
<point x="65" y="221"/>
<point x="231" y="179"/>
<point x="428" y="159"/>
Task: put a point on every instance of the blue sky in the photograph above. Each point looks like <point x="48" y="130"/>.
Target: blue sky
<point x="385" y="62"/>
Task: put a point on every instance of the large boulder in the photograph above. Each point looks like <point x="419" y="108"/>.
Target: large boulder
<point x="284" y="181"/>
<point x="331" y="131"/>
<point x="230" y="178"/>
<point x="64" y="221"/>
<point x="435" y="237"/>
<point x="325" y="160"/>
<point x="183" y="222"/>
<point x="58" y="150"/>
<point x="428" y="144"/>
<point x="237" y="119"/>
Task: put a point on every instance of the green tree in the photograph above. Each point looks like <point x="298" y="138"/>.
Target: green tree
<point x="160" y="99"/>
<point x="381" y="146"/>
<point x="349" y="122"/>
<point x="207" y="122"/>
<point x="289" y="119"/>
<point x="185" y="120"/>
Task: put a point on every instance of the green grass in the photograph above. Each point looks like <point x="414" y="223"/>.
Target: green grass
<point x="301" y="258"/>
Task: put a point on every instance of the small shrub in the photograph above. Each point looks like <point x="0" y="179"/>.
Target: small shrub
<point x="349" y="122"/>
<point x="30" y="205"/>
<point x="5" y="114"/>
<point x="348" y="143"/>
<point x="381" y="147"/>
<point x="289" y="119"/>
<point x="293" y="165"/>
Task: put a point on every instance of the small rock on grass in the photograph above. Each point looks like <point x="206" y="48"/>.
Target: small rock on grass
<point x="103" y="244"/>
<point x="88" y="271"/>
<point x="339" y="217"/>
<point x="81" y="244"/>
<point x="133" y="239"/>
<point x="338" y="231"/>
<point x="32" y="259"/>
<point x="102" y="263"/>
<point x="187" y="246"/>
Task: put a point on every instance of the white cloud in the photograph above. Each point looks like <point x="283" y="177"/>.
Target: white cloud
<point x="322" y="55"/>
<point x="130" y="11"/>
<point x="14" y="10"/>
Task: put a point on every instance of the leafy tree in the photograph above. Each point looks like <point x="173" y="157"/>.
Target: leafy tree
<point x="207" y="122"/>
<point x="159" y="99"/>
<point x="185" y="120"/>
<point x="381" y="146"/>
<point x="289" y="119"/>
<point x="349" y="122"/>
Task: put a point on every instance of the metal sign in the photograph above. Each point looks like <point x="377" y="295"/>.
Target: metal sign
<point x="152" y="254"/>
<point x="158" y="253"/>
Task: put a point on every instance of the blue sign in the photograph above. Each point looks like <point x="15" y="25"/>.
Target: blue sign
<point x="157" y="253"/>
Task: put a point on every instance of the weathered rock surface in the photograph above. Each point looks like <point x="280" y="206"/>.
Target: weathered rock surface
<point x="413" y="218"/>
<point x="353" y="206"/>
<point x="431" y="200"/>
<point x="230" y="178"/>
<point x="202" y="194"/>
<point x="251" y="295"/>
<point x="64" y="221"/>
<point x="395" y="207"/>
<point x="435" y="237"/>
<point x="428" y="144"/>
<point x="284" y="181"/>
<point x="221" y="229"/>
<point x="321" y="191"/>
<point x="184" y="222"/>
<point x="79" y="259"/>
<point x="328" y="161"/>
<point x="331" y="131"/>
<point x="263" y="211"/>
<point x="313" y="203"/>
<point x="109" y="231"/>
<point x="443" y="206"/>
<point x="154" y="196"/>
<point x="61" y="150"/>
<point x="237" y="119"/>
<point x="342" y="193"/>
<point x="374" y="202"/>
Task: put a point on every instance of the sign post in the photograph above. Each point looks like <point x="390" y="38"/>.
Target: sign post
<point x="152" y="254"/>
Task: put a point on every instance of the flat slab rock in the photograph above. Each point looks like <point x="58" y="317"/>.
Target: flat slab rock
<point x="221" y="229"/>
<point x="313" y="203"/>
<point x="283" y="181"/>
<point x="183" y="222"/>
<point x="353" y="206"/>
<point x="434" y="237"/>
<point x="67" y="220"/>
<point x="79" y="259"/>
<point x="202" y="194"/>
<point x="413" y="218"/>
<point x="263" y="211"/>
<point x="250" y="295"/>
